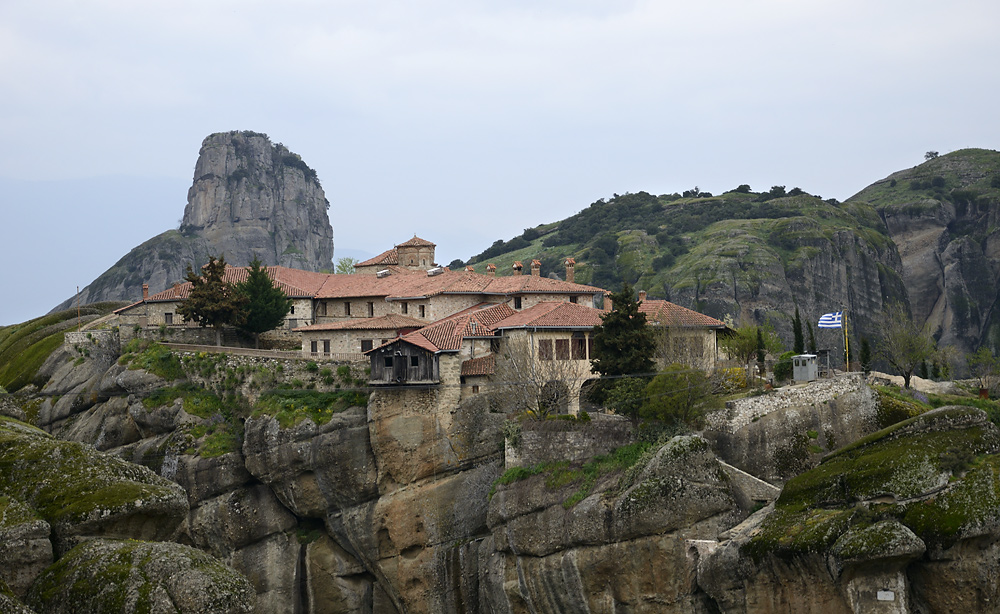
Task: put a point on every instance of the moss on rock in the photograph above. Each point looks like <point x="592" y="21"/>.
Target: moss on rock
<point x="134" y="576"/>
<point x="83" y="492"/>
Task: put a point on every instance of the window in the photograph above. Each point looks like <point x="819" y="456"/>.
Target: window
<point x="422" y="312"/>
<point x="326" y="346"/>
<point x="347" y="308"/>
<point x="292" y="310"/>
<point x="545" y="349"/>
<point x="590" y="346"/>
<point x="578" y="347"/>
<point x="312" y="347"/>
<point x="475" y="390"/>
<point x="168" y="318"/>
<point x="366" y="344"/>
<point x="414" y="361"/>
<point x="321" y="308"/>
<point x="371" y="309"/>
<point x="562" y="349"/>
<point x="572" y="299"/>
<point x="387" y="361"/>
<point x="406" y="308"/>
<point x="517" y="302"/>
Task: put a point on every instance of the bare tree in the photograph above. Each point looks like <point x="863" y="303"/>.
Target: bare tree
<point x="527" y="380"/>
<point x="903" y="344"/>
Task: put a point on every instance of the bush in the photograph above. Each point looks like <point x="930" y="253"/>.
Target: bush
<point x="679" y="395"/>
<point x="783" y="368"/>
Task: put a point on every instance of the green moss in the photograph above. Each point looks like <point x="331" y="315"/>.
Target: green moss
<point x="196" y="401"/>
<point x="289" y="407"/>
<point x="152" y="357"/>
<point x="904" y="462"/>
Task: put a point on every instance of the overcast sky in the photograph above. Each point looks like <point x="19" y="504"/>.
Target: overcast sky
<point x="464" y="121"/>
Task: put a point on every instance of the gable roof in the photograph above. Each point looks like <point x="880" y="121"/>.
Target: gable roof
<point x="665" y="313"/>
<point x="391" y="321"/>
<point x="482" y="365"/>
<point x="295" y="283"/>
<point x="389" y="256"/>
<point x="446" y="335"/>
<point x="416" y="242"/>
<point x="554" y="315"/>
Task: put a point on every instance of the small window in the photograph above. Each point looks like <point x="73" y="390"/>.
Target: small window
<point x="312" y="347"/>
<point x="387" y="362"/>
<point x="475" y="390"/>
<point x="366" y="344"/>
<point x="292" y="310"/>
<point x="517" y="302"/>
<point x="562" y="349"/>
<point x="371" y="309"/>
<point x="321" y="308"/>
<point x="347" y="308"/>
<point x="579" y="348"/>
<point x="545" y="349"/>
<point x="406" y="308"/>
<point x="572" y="299"/>
<point x="326" y="346"/>
<point x="422" y="311"/>
<point x="414" y="361"/>
<point x="168" y="318"/>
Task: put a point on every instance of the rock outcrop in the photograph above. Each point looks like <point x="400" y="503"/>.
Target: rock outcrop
<point x="249" y="198"/>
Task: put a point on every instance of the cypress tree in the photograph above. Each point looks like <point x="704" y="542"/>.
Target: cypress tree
<point x="264" y="304"/>
<point x="799" y="344"/>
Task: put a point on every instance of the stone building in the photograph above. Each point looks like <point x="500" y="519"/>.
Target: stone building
<point x="683" y="335"/>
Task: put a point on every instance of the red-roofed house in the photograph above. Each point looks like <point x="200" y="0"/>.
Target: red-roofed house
<point x="685" y="336"/>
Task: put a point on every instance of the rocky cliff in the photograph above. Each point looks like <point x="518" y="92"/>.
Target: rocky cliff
<point x="944" y="219"/>
<point x="328" y="500"/>
<point x="249" y="197"/>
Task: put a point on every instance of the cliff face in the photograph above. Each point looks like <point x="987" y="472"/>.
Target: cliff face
<point x="253" y="197"/>
<point x="249" y="197"/>
<point x="397" y="507"/>
<point x="944" y="219"/>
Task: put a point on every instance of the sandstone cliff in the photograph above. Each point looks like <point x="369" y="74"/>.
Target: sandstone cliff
<point x="417" y="501"/>
<point x="249" y="197"/>
<point x="944" y="219"/>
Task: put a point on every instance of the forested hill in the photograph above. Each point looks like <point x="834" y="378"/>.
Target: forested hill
<point x="753" y="256"/>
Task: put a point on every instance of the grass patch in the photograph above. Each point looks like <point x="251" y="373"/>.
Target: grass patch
<point x="153" y="357"/>
<point x="196" y="401"/>
<point x="289" y="407"/>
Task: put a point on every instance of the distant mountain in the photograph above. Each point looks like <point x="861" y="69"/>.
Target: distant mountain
<point x="926" y="236"/>
<point x="249" y="197"/>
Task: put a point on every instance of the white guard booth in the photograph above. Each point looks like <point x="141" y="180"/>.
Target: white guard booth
<point x="804" y="367"/>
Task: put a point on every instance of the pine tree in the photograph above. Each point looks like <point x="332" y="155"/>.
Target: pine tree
<point x="623" y="344"/>
<point x="799" y="344"/>
<point x="812" y="340"/>
<point x="212" y="301"/>
<point x="264" y="304"/>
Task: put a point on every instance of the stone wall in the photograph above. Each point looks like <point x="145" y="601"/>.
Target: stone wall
<point x="547" y="441"/>
<point x="103" y="345"/>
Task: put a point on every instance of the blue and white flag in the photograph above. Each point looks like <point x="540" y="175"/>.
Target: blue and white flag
<point x="831" y="320"/>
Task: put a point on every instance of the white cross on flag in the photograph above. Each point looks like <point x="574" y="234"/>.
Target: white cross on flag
<point x="831" y="320"/>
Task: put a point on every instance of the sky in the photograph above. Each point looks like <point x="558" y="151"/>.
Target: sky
<point x="462" y="121"/>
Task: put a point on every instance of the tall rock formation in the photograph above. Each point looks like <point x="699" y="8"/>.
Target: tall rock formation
<point x="944" y="218"/>
<point x="249" y="197"/>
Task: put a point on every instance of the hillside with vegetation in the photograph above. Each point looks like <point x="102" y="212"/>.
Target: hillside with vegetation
<point x="926" y="237"/>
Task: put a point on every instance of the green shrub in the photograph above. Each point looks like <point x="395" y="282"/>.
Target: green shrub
<point x="312" y="367"/>
<point x="290" y="407"/>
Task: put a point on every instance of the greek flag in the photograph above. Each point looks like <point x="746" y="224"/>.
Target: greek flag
<point x="831" y="320"/>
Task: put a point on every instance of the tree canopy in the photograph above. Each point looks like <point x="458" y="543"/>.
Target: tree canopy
<point x="623" y="344"/>
<point x="903" y="344"/>
<point x="679" y="395"/>
<point x="345" y="265"/>
<point x="264" y="305"/>
<point x="212" y="301"/>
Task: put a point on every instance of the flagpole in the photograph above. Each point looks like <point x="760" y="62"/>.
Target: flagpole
<point x="847" y="350"/>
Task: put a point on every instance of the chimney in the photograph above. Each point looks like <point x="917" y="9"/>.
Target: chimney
<point x="570" y="264"/>
<point x="517" y="266"/>
<point x="536" y="268"/>
<point x="608" y="306"/>
<point x="491" y="270"/>
<point x="470" y="269"/>
<point x="642" y="295"/>
<point x="145" y="291"/>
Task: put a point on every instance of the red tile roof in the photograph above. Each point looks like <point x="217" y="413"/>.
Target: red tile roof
<point x="389" y="256"/>
<point x="387" y="322"/>
<point x="293" y="282"/>
<point x="446" y="335"/>
<point x="553" y="315"/>
<point x="668" y="314"/>
<point x="483" y="365"/>
<point x="417" y="242"/>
